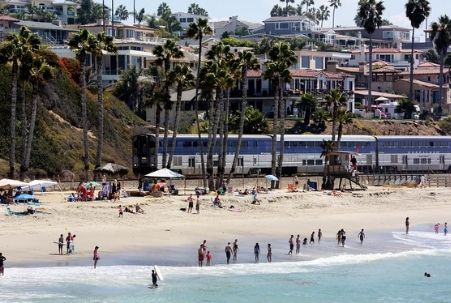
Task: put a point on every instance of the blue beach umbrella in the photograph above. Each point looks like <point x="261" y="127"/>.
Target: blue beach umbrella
<point x="271" y="178"/>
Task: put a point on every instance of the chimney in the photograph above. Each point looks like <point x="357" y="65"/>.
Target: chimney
<point x="332" y="66"/>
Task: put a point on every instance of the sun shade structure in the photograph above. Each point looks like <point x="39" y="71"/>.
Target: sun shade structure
<point x="165" y="173"/>
<point x="9" y="183"/>
<point x="113" y="168"/>
<point x="38" y="184"/>
<point x="271" y="178"/>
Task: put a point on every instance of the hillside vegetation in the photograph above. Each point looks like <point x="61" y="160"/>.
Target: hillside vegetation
<point x="57" y="146"/>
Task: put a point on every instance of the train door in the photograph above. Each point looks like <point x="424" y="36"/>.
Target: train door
<point x="442" y="162"/>
<point x="192" y="164"/>
<point x="405" y="162"/>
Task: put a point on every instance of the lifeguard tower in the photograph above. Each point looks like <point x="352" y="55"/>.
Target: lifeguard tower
<point x="339" y="165"/>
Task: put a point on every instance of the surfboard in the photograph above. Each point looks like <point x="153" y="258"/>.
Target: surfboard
<point x="157" y="270"/>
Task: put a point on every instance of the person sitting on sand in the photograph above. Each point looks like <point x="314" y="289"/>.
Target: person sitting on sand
<point x="128" y="210"/>
<point x="217" y="201"/>
<point x="138" y="209"/>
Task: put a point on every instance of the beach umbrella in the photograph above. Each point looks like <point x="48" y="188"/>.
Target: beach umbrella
<point x="165" y="173"/>
<point x="271" y="178"/>
<point x="25" y="198"/>
<point x="38" y="184"/>
<point x="113" y="168"/>
<point x="9" y="184"/>
<point x="92" y="184"/>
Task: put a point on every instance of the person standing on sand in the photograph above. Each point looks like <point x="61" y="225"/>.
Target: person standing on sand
<point x="190" y="204"/>
<point x="235" y="250"/>
<point x="298" y="244"/>
<point x="269" y="254"/>
<point x="60" y="244"/>
<point x="121" y="211"/>
<point x="228" y="252"/>
<point x="257" y="252"/>
<point x="200" y="255"/>
<point x="290" y="242"/>
<point x="68" y="239"/>
<point x="2" y="265"/>
<point x="320" y="235"/>
<point x="312" y="238"/>
<point x="197" y="205"/>
<point x="95" y="256"/>
<point x="361" y="236"/>
<point x="407" y="225"/>
<point x="445" y="229"/>
<point x="209" y="257"/>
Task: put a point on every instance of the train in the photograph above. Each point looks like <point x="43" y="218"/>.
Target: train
<point x="302" y="154"/>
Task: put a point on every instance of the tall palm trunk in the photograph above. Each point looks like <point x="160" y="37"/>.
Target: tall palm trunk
<point x="165" y="136"/>
<point x="440" y="80"/>
<point x="99" y="64"/>
<point x="212" y="139"/>
<point x="334" y="121"/>
<point x="84" y="117"/>
<point x="221" y="143"/>
<point x="24" y="134"/>
<point x="340" y="133"/>
<point x="157" y="134"/>
<point x="411" y="65"/>
<point x="178" y="106"/>
<point x="275" y="132"/>
<point x="241" y="129"/>
<point x="226" y="135"/>
<point x="12" y="148"/>
<point x="282" y="111"/>
<point x="34" y="110"/>
<point x="196" y="110"/>
<point x="211" y="120"/>
<point x="333" y="18"/>
<point x="370" y="76"/>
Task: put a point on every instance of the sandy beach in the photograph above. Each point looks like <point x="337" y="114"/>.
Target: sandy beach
<point x="29" y="239"/>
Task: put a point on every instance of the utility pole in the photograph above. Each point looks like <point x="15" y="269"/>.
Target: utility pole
<point x="112" y="19"/>
<point x="103" y="15"/>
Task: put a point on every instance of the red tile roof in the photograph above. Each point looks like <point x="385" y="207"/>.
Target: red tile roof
<point x="8" y="18"/>
<point x="303" y="73"/>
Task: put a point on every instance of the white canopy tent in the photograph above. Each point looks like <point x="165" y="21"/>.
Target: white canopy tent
<point x="38" y="184"/>
<point x="165" y="173"/>
<point x="9" y="184"/>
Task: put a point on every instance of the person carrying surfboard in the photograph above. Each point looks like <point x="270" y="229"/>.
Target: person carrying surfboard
<point x="154" y="278"/>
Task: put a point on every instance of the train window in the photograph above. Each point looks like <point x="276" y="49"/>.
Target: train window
<point x="192" y="162"/>
<point x="187" y="144"/>
<point x="431" y="144"/>
<point x="442" y="159"/>
<point x="310" y="144"/>
<point x="240" y="162"/>
<point x="394" y="159"/>
<point x="304" y="162"/>
<point x="310" y="162"/>
<point x="255" y="161"/>
<point x="416" y="161"/>
<point x="429" y="161"/>
<point x="319" y="162"/>
<point x="195" y="144"/>
<point x="424" y="161"/>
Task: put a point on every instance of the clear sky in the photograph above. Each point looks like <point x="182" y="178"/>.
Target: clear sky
<point x="258" y="10"/>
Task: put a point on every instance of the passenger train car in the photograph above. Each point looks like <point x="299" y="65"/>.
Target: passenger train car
<point x="302" y="153"/>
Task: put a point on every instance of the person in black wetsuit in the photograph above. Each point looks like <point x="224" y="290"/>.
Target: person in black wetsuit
<point x="2" y="268"/>
<point x="154" y="278"/>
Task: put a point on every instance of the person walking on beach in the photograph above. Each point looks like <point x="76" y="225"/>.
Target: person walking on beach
<point x="95" y="256"/>
<point x="190" y="204"/>
<point x="312" y="238"/>
<point x="228" y="252"/>
<point x="68" y="244"/>
<point x="154" y="278"/>
<point x="197" y="205"/>
<point x="2" y="265"/>
<point x="200" y="255"/>
<point x="291" y="243"/>
<point x="121" y="211"/>
<point x="269" y="254"/>
<point x="60" y="244"/>
<point x="361" y="236"/>
<point x="209" y="257"/>
<point x="343" y="237"/>
<point x="339" y="234"/>
<point x="445" y="229"/>
<point x="298" y="244"/>
<point x="235" y="250"/>
<point x="407" y="225"/>
<point x="320" y="235"/>
<point x="257" y="252"/>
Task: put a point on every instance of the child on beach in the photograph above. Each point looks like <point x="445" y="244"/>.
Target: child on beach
<point x="2" y="267"/>
<point x="312" y="238"/>
<point x="121" y="211"/>
<point x="209" y="257"/>
<point x="96" y="256"/>
<point x="436" y="227"/>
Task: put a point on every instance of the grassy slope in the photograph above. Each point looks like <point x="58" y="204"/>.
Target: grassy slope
<point x="58" y="136"/>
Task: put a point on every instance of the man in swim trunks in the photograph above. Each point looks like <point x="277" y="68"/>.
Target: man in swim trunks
<point x="201" y="255"/>
<point x="68" y="240"/>
<point x="291" y="243"/>
<point x="361" y="236"/>
<point x="60" y="244"/>
<point x="190" y="204"/>
<point x="269" y="254"/>
<point x="445" y="229"/>
<point x="257" y="252"/>
<point x="228" y="252"/>
<point x="320" y="235"/>
<point x="2" y="266"/>
<point x="235" y="250"/>
<point x="407" y="225"/>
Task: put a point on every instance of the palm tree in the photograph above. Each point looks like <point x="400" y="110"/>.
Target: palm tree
<point x="286" y="5"/>
<point x="307" y="3"/>
<point x="165" y="53"/>
<point x="121" y="12"/>
<point x="39" y="73"/>
<point x="441" y="35"/>
<point x="370" y="15"/>
<point x="308" y="102"/>
<point x="100" y="44"/>
<point x="181" y="75"/>
<point x="140" y="15"/>
<point x="335" y="4"/>
<point x="17" y="47"/>
<point x="323" y="14"/>
<point x="417" y="11"/>
<point x="246" y="61"/>
<point x="281" y="58"/>
<point x="81" y="44"/>
<point x="343" y="118"/>
<point x="335" y="100"/>
<point x="198" y="30"/>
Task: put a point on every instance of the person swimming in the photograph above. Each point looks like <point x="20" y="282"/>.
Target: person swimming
<point x="427" y="275"/>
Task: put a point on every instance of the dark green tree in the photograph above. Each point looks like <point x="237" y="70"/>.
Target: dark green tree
<point x="406" y="107"/>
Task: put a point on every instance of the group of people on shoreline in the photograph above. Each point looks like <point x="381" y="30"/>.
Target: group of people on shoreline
<point x="70" y="245"/>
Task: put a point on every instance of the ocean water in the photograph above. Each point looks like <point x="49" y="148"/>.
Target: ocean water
<point x="393" y="274"/>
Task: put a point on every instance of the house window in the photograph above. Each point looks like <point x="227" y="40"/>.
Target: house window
<point x="305" y="61"/>
<point x="283" y="25"/>
<point x="319" y="63"/>
<point x="190" y="20"/>
<point x="182" y="20"/>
